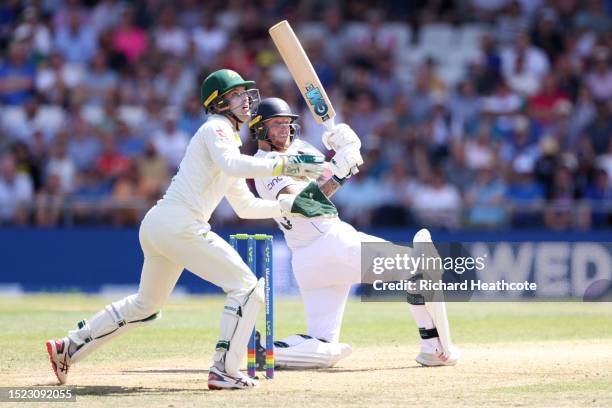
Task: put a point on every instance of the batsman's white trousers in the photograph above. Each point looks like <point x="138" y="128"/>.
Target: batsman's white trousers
<point x="325" y="270"/>
<point x="173" y="239"/>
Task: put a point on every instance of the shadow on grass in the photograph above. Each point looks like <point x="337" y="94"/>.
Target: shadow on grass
<point x="167" y="371"/>
<point x="351" y="370"/>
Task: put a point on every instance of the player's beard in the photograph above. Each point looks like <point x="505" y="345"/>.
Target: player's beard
<point x="280" y="145"/>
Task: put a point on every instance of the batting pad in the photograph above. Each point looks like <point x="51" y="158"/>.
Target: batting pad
<point x="299" y="351"/>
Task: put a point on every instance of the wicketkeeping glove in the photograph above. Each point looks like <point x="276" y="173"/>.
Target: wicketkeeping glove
<point x="310" y="202"/>
<point x="300" y="165"/>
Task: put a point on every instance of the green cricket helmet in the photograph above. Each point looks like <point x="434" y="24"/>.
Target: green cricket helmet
<point x="218" y="84"/>
<point x="272" y="108"/>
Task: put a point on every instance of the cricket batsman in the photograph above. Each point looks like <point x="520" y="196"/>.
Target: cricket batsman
<point x="175" y="234"/>
<point x="326" y="252"/>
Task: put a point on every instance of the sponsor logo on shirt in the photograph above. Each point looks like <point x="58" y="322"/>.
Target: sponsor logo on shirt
<point x="272" y="183"/>
<point x="221" y="134"/>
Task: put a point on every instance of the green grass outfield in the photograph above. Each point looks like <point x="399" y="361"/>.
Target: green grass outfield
<point x="540" y="350"/>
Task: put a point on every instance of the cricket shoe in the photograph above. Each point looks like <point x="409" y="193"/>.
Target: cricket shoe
<point x="60" y="360"/>
<point x="219" y="380"/>
<point x="436" y="359"/>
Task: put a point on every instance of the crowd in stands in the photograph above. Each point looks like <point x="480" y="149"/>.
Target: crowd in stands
<point x="472" y="113"/>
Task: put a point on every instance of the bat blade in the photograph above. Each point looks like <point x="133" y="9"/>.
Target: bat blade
<point x="303" y="73"/>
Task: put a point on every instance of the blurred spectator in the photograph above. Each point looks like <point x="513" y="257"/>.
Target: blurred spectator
<point x="169" y="37"/>
<point x="105" y="15"/>
<point x="83" y="145"/>
<point x="560" y="125"/>
<point x="393" y="191"/>
<point x="16" y="193"/>
<point x="129" y="143"/>
<point x="17" y="76"/>
<point x="33" y="30"/>
<point x="524" y="194"/>
<point x="437" y="203"/>
<point x="421" y="99"/>
<point x="49" y="202"/>
<point x="28" y="163"/>
<point x="519" y="143"/>
<point x="402" y="113"/>
<point x="456" y="169"/>
<point x="22" y="130"/>
<point x="599" y="196"/>
<point x="547" y="163"/>
<point x="127" y="198"/>
<point x="235" y="56"/>
<point x="192" y="117"/>
<point x="547" y="36"/>
<point x="600" y="129"/>
<point x="465" y="106"/>
<point x="111" y="163"/>
<point x="99" y="83"/>
<point x="535" y="60"/>
<point x="567" y="77"/>
<point x="599" y="79"/>
<point x="487" y="69"/>
<point x="364" y="117"/>
<point x="511" y="23"/>
<point x="55" y="79"/>
<point x="559" y="214"/>
<point x="333" y="32"/>
<point x="170" y="141"/>
<point x="88" y="199"/>
<point x="210" y="39"/>
<point x="582" y="115"/>
<point x="479" y="152"/>
<point x="484" y="199"/>
<point x="61" y="165"/>
<point x="129" y="39"/>
<point x="76" y="41"/>
<point x="502" y="106"/>
<point x="136" y="88"/>
<point x="543" y="104"/>
<point x="153" y="170"/>
<point x="357" y="199"/>
<point x="155" y="120"/>
<point x="175" y="83"/>
<point x="191" y="12"/>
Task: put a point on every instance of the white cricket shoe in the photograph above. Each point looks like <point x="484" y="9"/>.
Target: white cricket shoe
<point x="60" y="360"/>
<point x="436" y="359"/>
<point x="220" y="380"/>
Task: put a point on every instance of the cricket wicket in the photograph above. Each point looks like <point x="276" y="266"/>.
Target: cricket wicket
<point x="252" y="240"/>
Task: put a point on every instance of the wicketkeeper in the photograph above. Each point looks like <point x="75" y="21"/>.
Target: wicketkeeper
<point x="175" y="234"/>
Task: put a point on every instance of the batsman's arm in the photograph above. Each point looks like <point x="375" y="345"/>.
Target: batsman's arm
<point x="328" y="187"/>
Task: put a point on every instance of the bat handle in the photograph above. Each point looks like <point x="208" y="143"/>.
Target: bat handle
<point x="330" y="123"/>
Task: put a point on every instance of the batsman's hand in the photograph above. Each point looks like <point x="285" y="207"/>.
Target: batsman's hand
<point x="346" y="161"/>
<point x="300" y="165"/>
<point x="339" y="137"/>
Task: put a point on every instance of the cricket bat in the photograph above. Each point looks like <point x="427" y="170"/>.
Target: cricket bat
<point x="303" y="73"/>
